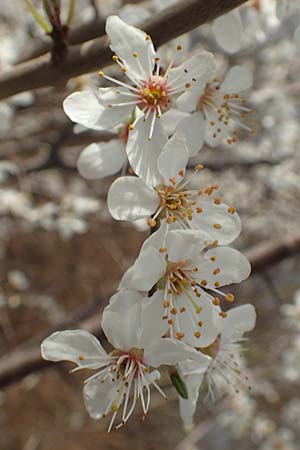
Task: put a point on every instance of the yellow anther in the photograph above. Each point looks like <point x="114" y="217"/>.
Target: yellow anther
<point x="130" y="127"/>
<point x="187" y="85"/>
<point x="216" y="271"/>
<point x="197" y="334"/>
<point x="213" y="258"/>
<point x="217" y="226"/>
<point x="183" y="309"/>
<point x="217" y="284"/>
<point x="172" y="180"/>
<point x="223" y="314"/>
<point x="199" y="210"/>
<point x="162" y="249"/>
<point x="166" y="304"/>
<point x="217" y="201"/>
<point x="231" y="210"/>
<point x="135" y="54"/>
<point x="181" y="173"/>
<point x="203" y="283"/>
<point x="178" y="48"/>
<point x="173" y="311"/>
<point x="101" y="73"/>
<point x="180" y="335"/>
<point x="151" y="222"/>
<point x="199" y="167"/>
<point x="200" y="323"/>
<point x="229" y="298"/>
<point x="170" y="322"/>
<point x="81" y="358"/>
<point x="216" y="301"/>
<point x="115" y="58"/>
<point x="148" y="38"/>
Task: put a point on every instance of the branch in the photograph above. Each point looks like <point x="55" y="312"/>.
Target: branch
<point x="167" y="25"/>
<point x="23" y="361"/>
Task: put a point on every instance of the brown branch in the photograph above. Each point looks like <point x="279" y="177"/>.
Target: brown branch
<point x="167" y="25"/>
<point x="22" y="362"/>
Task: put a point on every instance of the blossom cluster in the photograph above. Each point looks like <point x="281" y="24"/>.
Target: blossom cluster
<point x="170" y="308"/>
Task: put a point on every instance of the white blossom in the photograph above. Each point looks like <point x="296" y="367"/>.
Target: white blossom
<point x="134" y="327"/>
<point x="169" y="196"/>
<point x="188" y="278"/>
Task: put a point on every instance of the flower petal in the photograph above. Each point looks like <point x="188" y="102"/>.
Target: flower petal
<point x="113" y="115"/>
<point x="121" y="320"/>
<point x="196" y="71"/>
<point x="216" y="222"/>
<point x="183" y="244"/>
<point x="173" y="158"/>
<point x="100" y="160"/>
<point x="192" y="373"/>
<point x="171" y="119"/>
<point x="153" y="324"/>
<point x="78" y="346"/>
<point x="207" y="315"/>
<point x="129" y="198"/>
<point x="228" y="31"/>
<point x="238" y="79"/>
<point x="127" y="41"/>
<point x="98" y="396"/>
<point x="194" y="128"/>
<point x="84" y="108"/>
<point x="168" y="351"/>
<point x="143" y="153"/>
<point x="148" y="268"/>
<point x="239" y="320"/>
<point x="223" y="265"/>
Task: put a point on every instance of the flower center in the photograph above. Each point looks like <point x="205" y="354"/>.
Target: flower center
<point x="154" y="95"/>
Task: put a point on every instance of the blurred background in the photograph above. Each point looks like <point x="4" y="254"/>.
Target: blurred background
<point x="62" y="256"/>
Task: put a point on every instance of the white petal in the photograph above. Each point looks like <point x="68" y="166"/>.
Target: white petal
<point x="173" y="158"/>
<point x="183" y="244"/>
<point x="97" y="396"/>
<point x="194" y="128"/>
<point x="228" y="31"/>
<point x="192" y="373"/>
<point x="197" y="77"/>
<point x="238" y="321"/>
<point x="297" y="36"/>
<point x="84" y="108"/>
<point x="125" y="41"/>
<point x="77" y="346"/>
<point x="238" y="79"/>
<point x="153" y="325"/>
<point x="100" y="160"/>
<point x="234" y="266"/>
<point x="213" y="214"/>
<point x="197" y="71"/>
<point x="143" y="153"/>
<point x="131" y="199"/>
<point x="170" y="119"/>
<point x="168" y="351"/>
<point x="148" y="268"/>
<point x="121" y="320"/>
<point x="158" y="238"/>
<point x="113" y="115"/>
<point x="189" y="319"/>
